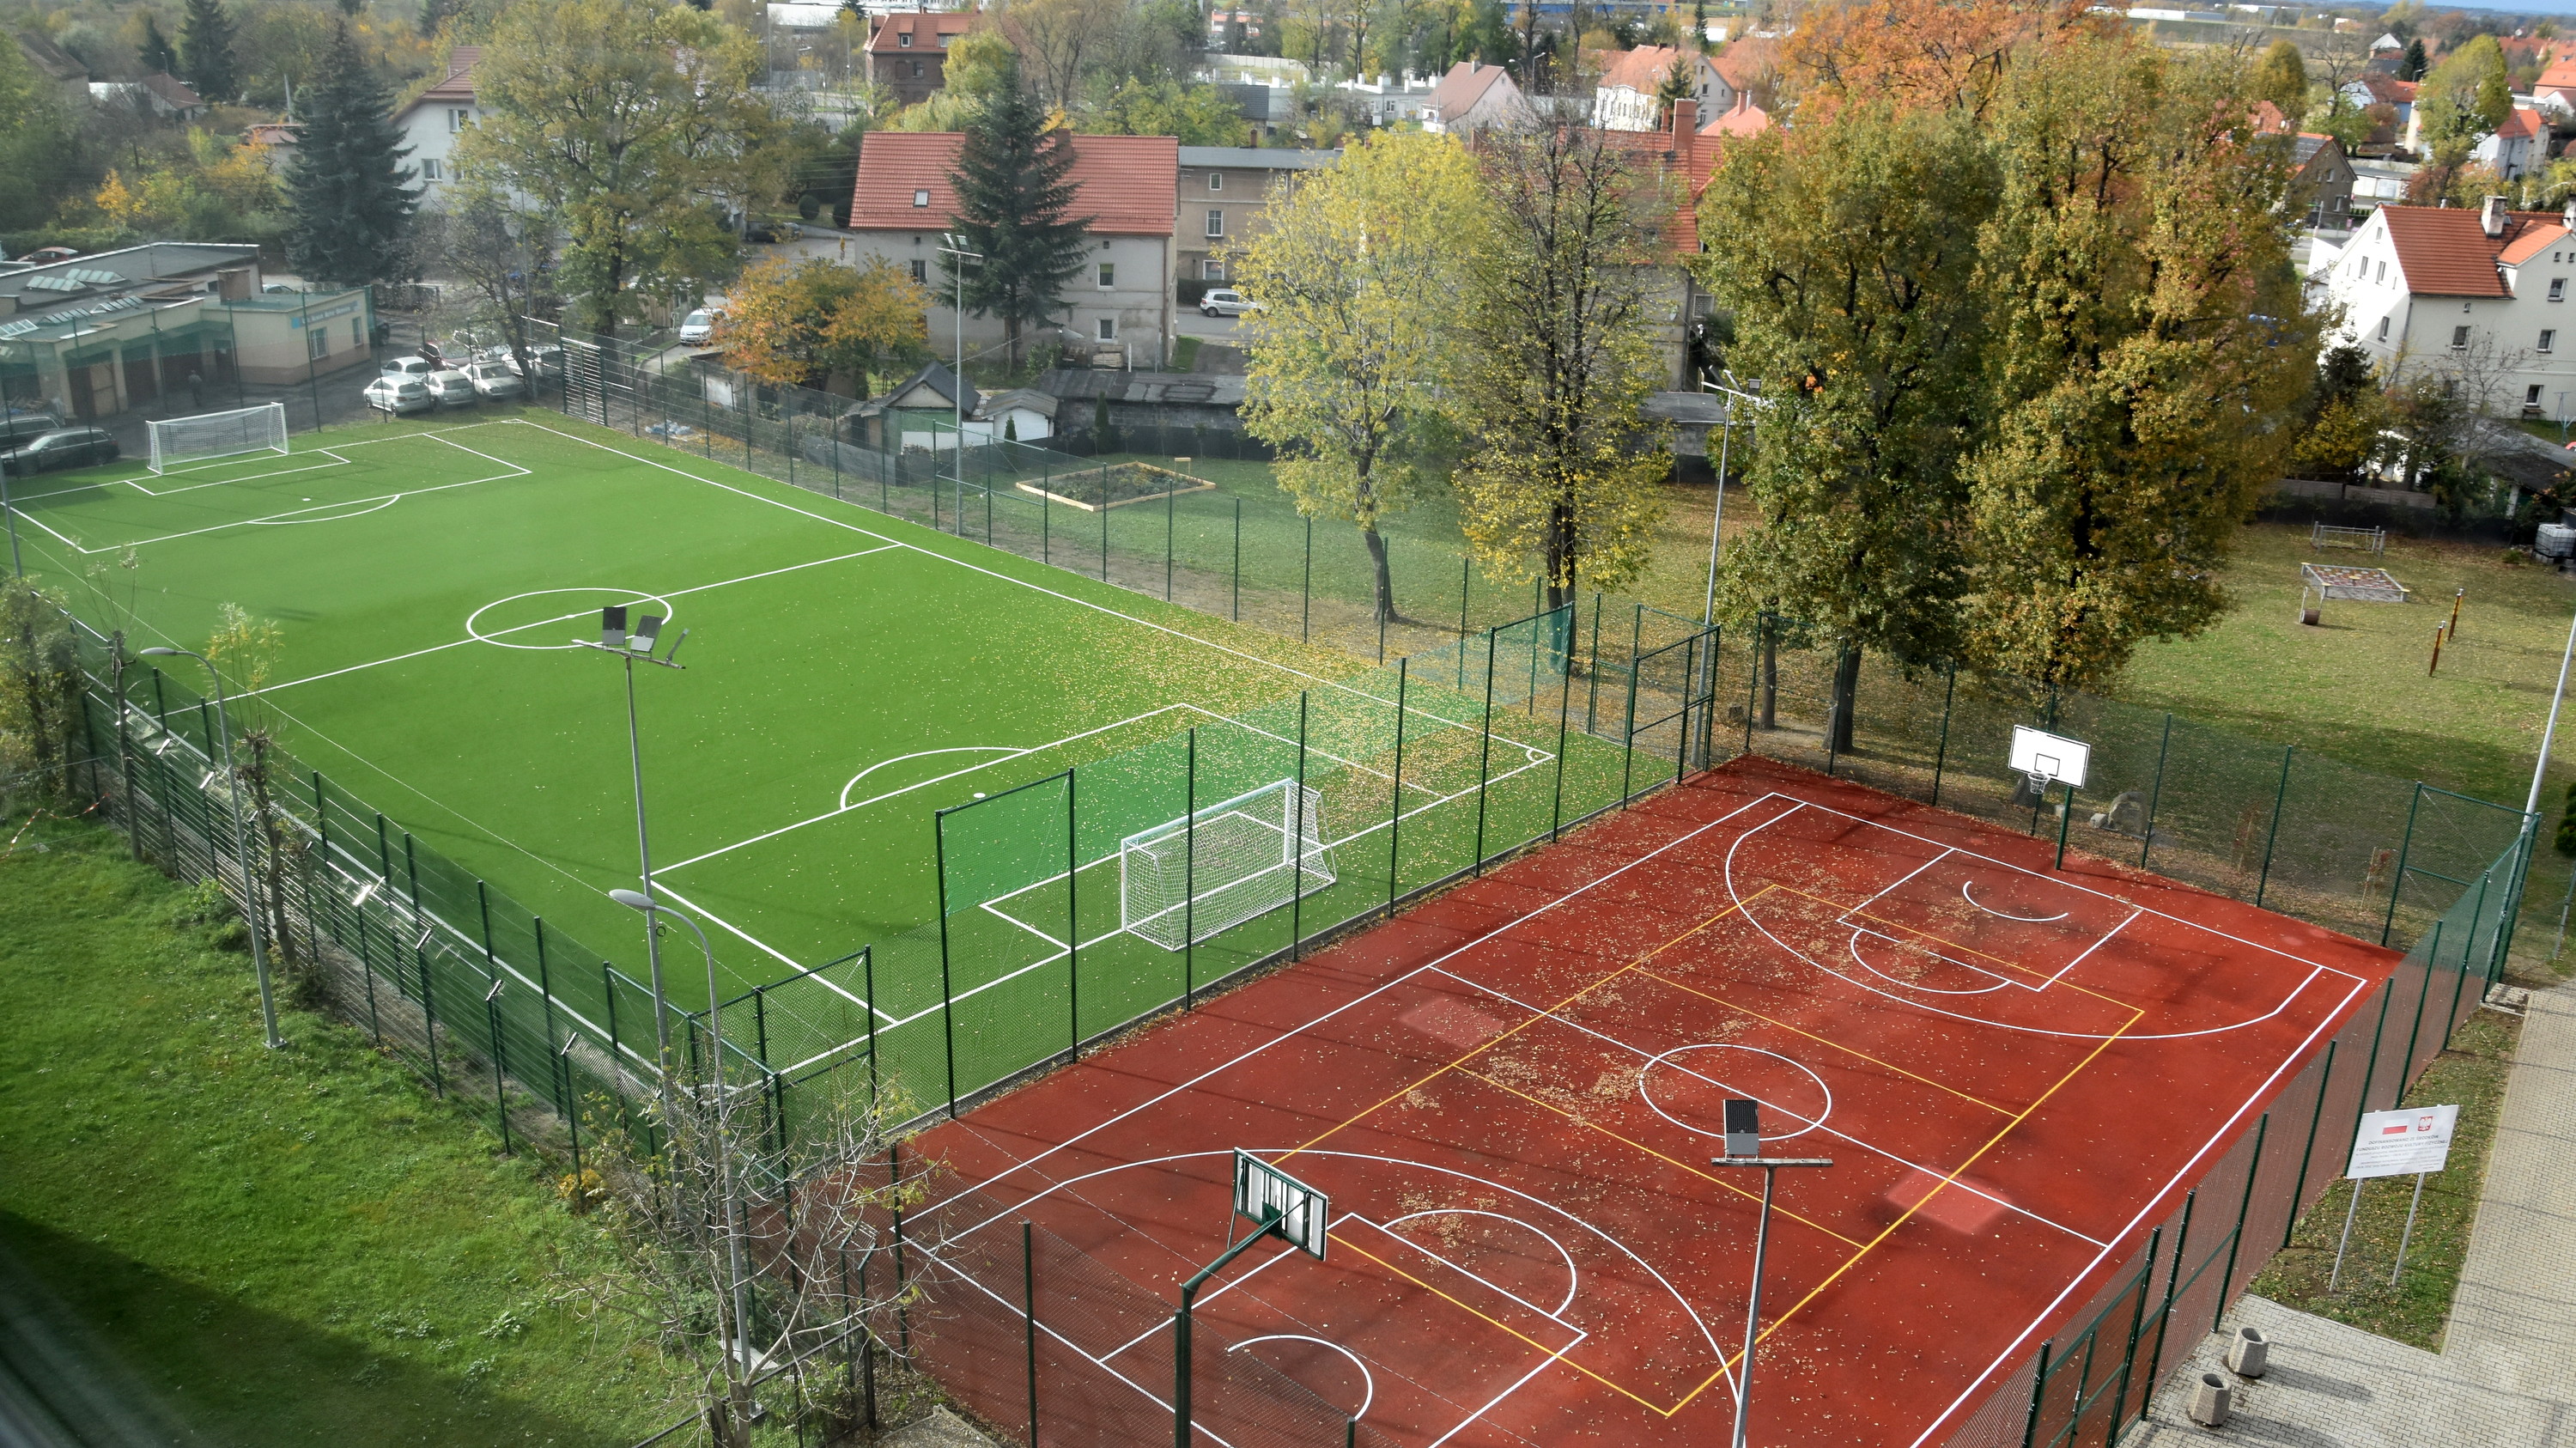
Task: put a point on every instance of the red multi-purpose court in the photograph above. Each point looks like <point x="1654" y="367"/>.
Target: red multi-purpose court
<point x="1511" y="1095"/>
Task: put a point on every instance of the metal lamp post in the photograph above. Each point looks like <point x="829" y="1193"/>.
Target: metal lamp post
<point x="241" y="845"/>
<point x="614" y="639"/>
<point x="953" y="246"/>
<point x="634" y="900"/>
<point x="1725" y="446"/>
<point x="9" y="511"/>
<point x="1744" y="1148"/>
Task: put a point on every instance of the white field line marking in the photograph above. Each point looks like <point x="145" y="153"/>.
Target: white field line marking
<point x="728" y="926"/>
<point x="295" y="515"/>
<point x="137" y="483"/>
<point x="1285" y="1251"/>
<point x="1965" y="894"/>
<point x="561" y="618"/>
<point x="1751" y="916"/>
<point x="1368" y="1380"/>
<point x="1997" y="982"/>
<point x="1573" y="1278"/>
<point x="1819" y="1124"/>
<point x="1004" y="577"/>
<point x="2013" y="1348"/>
<point x="1010" y="749"/>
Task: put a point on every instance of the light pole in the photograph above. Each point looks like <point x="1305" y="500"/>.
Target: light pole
<point x="953" y="246"/>
<point x="241" y="846"/>
<point x="1725" y="445"/>
<point x="9" y="511"/>
<point x="633" y="900"/>
<point x="1744" y="1148"/>
<point x="613" y="639"/>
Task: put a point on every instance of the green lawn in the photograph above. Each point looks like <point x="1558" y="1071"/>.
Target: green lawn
<point x="268" y="1247"/>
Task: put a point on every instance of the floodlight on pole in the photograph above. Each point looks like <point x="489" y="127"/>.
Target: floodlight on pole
<point x="241" y="844"/>
<point x="1743" y="1119"/>
<point x="614" y="639"/>
<point x="644" y="904"/>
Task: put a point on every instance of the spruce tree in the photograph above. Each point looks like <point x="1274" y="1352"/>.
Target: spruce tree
<point x="347" y="189"/>
<point x="159" y="55"/>
<point x="2411" y="67"/>
<point x="1013" y="193"/>
<point x="206" y="46"/>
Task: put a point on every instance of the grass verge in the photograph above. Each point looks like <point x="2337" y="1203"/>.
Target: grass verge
<point x="2472" y="1073"/>
<point x="269" y="1247"/>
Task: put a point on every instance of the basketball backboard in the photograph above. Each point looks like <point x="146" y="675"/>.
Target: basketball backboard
<point x="2052" y="758"/>
<point x="1278" y="1202"/>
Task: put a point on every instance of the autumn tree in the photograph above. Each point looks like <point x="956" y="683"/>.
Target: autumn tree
<point x="2150" y="352"/>
<point x="2463" y="100"/>
<point x="2281" y="77"/>
<point x="1561" y="468"/>
<point x="1917" y="53"/>
<point x="1348" y="364"/>
<point x="797" y="324"/>
<point x="1015" y="197"/>
<point x="626" y="116"/>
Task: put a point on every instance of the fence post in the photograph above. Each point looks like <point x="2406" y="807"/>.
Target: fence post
<point x="1592" y="693"/>
<point x="1029" y="1312"/>
<point x="1238" y="560"/>
<point x="1046" y="522"/>
<point x="500" y="1065"/>
<point x="2129" y="1354"/>
<point x="1297" y="883"/>
<point x="2406" y="1063"/>
<point x="1190" y="872"/>
<point x="2280" y="797"/>
<point x="2038" y="1390"/>
<point x="1565" y="708"/>
<point x="2370" y="1072"/>
<point x="546" y="990"/>
<point x="2299" y="1188"/>
<point x="1104" y="525"/>
<point x="2173" y="1283"/>
<point x="2451" y="1019"/>
<point x="2155" y="793"/>
<point x="1484" y="747"/>
<point x="1171" y="501"/>
<point x="1628" y="730"/>
<point x="1941" y="755"/>
<point x="1463" y="565"/>
<point x="2236" y="1240"/>
<point x="1072" y="918"/>
<point x="420" y="953"/>
<point x="868" y="983"/>
<point x="2405" y="847"/>
<point x="947" y="1014"/>
<point x="1395" y="813"/>
<point x="1306" y="589"/>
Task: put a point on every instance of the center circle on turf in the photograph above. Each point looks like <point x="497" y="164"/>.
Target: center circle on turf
<point x="1688" y="1086"/>
<point x="564" y="609"/>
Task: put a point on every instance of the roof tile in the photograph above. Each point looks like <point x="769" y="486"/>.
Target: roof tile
<point x="1127" y="185"/>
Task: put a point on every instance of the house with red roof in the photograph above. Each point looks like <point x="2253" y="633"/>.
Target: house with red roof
<point x="908" y="53"/>
<point x="2555" y="91"/>
<point x="436" y="118"/>
<point x="2517" y="147"/>
<point x="1624" y="98"/>
<point x="1472" y="96"/>
<point x="2479" y="295"/>
<point x="1684" y="155"/>
<point x="1124" y="189"/>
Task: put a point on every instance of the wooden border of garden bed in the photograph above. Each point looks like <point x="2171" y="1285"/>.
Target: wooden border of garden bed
<point x="1196" y="485"/>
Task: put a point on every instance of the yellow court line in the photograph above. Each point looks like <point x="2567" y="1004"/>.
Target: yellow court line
<point x="1829" y="1041"/>
<point x="2011" y="965"/>
<point x="1991" y="1142"/>
<point x="1535" y="1017"/>
<point x="1554" y="1354"/>
<point x="1750" y="1196"/>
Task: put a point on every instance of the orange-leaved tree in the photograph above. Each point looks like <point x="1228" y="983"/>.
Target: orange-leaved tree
<point x="800" y="324"/>
<point x="1917" y="53"/>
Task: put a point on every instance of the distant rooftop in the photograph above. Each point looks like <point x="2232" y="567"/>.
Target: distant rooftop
<point x="1273" y="158"/>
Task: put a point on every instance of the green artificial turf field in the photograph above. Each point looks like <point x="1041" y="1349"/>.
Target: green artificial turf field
<point x="846" y="676"/>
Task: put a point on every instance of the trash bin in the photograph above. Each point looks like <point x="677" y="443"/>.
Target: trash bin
<point x="2210" y="1401"/>
<point x="2249" y="1353"/>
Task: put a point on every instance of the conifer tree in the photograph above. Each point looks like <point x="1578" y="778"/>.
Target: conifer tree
<point x="159" y="55"/>
<point x="348" y="190"/>
<point x="1014" y="190"/>
<point x="206" y="46"/>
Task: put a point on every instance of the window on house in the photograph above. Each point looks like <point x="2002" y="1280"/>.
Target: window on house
<point x="1212" y="270"/>
<point x="2531" y="398"/>
<point x="358" y="332"/>
<point x="2548" y="338"/>
<point x="1109" y="329"/>
<point x="903" y="41"/>
<point x="2383" y="270"/>
<point x="920" y="269"/>
<point x="916" y="70"/>
<point x="429" y="168"/>
<point x="921" y="198"/>
<point x="317" y="343"/>
<point x="1216" y="222"/>
<point x="1108" y="275"/>
<point x="2459" y="338"/>
<point x="1216" y="181"/>
<point x="2383" y="329"/>
<point x="2558" y="289"/>
<point x="457" y="120"/>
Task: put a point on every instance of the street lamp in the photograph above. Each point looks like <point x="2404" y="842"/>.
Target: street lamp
<point x="613" y="639"/>
<point x="241" y="846"/>
<point x="1725" y="444"/>
<point x="634" y="900"/>
<point x="1744" y="1148"/>
<point x="953" y="246"/>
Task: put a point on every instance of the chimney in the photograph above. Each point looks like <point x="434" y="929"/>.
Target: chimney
<point x="2491" y="216"/>
<point x="1686" y="125"/>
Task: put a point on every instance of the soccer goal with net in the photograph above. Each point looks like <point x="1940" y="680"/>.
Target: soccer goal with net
<point x="1212" y="869"/>
<point x="209" y="435"/>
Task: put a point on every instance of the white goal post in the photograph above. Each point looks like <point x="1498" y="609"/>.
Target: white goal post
<point x="1254" y="853"/>
<point x="218" y="435"/>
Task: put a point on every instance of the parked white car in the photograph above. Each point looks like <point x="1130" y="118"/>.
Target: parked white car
<point x="545" y="359"/>
<point x="452" y="388"/>
<point x="496" y="380"/>
<point x="698" y="326"/>
<point x="415" y="367"/>
<point x="395" y="394"/>
<point x="1226" y="302"/>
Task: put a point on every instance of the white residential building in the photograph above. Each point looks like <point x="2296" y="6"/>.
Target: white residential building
<point x="2481" y="296"/>
<point x="434" y="122"/>
<point x="1625" y="99"/>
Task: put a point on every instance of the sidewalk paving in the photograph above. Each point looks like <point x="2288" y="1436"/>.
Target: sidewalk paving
<point x="2506" y="1375"/>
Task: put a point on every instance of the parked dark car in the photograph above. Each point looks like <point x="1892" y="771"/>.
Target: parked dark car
<point x="21" y="426"/>
<point x="68" y="447"/>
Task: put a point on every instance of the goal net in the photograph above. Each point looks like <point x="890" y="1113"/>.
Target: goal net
<point x="218" y="435"/>
<point x="1213" y="869"/>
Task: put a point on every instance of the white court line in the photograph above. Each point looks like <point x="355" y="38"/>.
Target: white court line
<point x="1573" y="1276"/>
<point x="729" y="927"/>
<point x="1965" y="894"/>
<point x="1998" y="982"/>
<point x="1368" y="1380"/>
<point x="561" y="618"/>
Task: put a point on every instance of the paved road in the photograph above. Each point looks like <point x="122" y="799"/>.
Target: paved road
<point x="2506" y="1374"/>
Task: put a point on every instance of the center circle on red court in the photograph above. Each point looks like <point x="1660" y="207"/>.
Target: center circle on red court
<point x="1690" y="1085"/>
